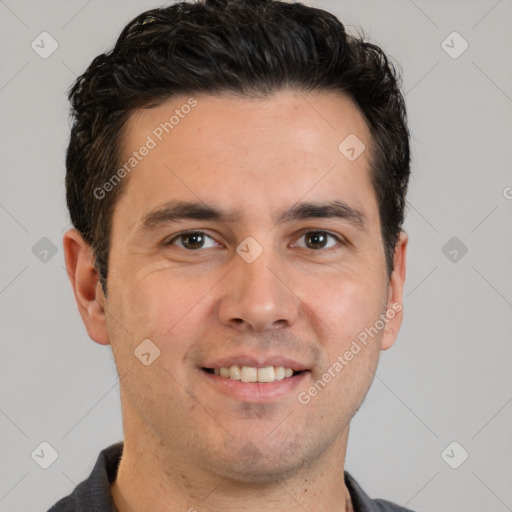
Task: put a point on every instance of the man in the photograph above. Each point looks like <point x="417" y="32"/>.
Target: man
<point x="236" y="176"/>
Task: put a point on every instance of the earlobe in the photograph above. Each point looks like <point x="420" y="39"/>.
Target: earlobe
<point x="394" y="311"/>
<point x="84" y="279"/>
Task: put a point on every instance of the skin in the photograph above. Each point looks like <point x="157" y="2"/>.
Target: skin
<point x="183" y="438"/>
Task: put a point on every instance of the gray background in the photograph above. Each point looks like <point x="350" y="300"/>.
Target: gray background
<point x="448" y="376"/>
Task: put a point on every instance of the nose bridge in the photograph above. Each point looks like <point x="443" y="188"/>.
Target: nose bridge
<point x="257" y="296"/>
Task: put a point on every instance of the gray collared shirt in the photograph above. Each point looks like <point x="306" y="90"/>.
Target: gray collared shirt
<point x="94" y="494"/>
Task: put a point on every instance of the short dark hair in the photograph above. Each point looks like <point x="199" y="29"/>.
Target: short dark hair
<point x="251" y="48"/>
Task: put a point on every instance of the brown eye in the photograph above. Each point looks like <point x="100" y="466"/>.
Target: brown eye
<point x="192" y="240"/>
<point x="316" y="240"/>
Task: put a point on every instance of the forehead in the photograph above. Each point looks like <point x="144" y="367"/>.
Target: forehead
<point x="245" y="153"/>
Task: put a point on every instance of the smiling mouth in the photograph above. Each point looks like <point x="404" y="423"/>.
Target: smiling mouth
<point x="253" y="374"/>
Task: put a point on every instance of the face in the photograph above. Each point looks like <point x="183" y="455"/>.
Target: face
<point x="246" y="245"/>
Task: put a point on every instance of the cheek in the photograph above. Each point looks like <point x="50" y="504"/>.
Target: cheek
<point x="164" y="307"/>
<point x="347" y="313"/>
<point x="149" y="301"/>
<point x="347" y="307"/>
<point x="159" y="309"/>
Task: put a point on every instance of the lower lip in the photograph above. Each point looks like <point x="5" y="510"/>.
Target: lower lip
<point x="255" y="391"/>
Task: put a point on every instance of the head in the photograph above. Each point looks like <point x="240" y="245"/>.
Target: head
<point x="229" y="116"/>
<point x="251" y="49"/>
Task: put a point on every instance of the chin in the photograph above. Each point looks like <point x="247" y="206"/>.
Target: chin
<point x="262" y="474"/>
<point x="249" y="465"/>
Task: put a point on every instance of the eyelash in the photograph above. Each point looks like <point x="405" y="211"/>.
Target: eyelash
<point x="340" y="240"/>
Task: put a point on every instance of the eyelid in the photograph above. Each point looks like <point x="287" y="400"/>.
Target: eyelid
<point x="173" y="238"/>
<point x="340" y="239"/>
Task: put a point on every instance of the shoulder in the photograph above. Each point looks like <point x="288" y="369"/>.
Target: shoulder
<point x="74" y="501"/>
<point x="363" y="503"/>
<point x="94" y="492"/>
<point x="387" y="506"/>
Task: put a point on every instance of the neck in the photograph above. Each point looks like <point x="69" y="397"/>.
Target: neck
<point x="153" y="477"/>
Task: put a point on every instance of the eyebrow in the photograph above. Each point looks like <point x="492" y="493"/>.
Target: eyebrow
<point x="174" y="211"/>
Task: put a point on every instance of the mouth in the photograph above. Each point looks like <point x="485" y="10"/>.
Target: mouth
<point x="255" y="384"/>
<point x="252" y="374"/>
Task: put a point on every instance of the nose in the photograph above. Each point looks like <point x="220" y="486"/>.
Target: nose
<point x="257" y="296"/>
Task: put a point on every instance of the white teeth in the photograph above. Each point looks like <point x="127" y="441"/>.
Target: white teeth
<point x="234" y="372"/>
<point x="266" y="374"/>
<point x="249" y="374"/>
<point x="279" y="372"/>
<point x="253" y="374"/>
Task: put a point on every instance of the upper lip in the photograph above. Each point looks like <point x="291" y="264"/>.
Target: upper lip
<point x="255" y="361"/>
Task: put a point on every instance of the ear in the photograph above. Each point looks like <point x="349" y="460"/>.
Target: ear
<point x="84" y="279"/>
<point x="394" y="312"/>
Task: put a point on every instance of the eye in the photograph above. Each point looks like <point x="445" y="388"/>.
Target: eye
<point x="192" y="240"/>
<point x="315" y="240"/>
